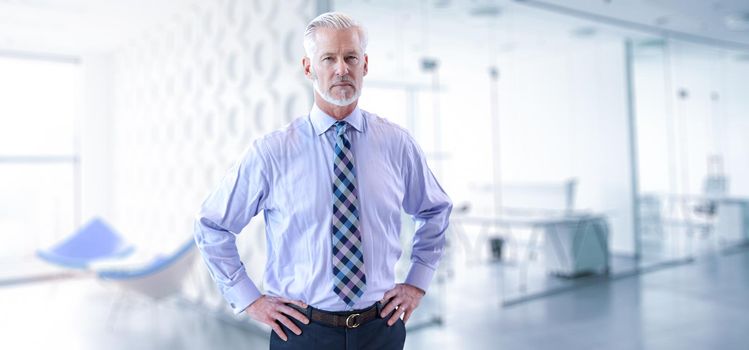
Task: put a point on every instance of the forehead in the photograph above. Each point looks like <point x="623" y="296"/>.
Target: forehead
<point x="331" y="40"/>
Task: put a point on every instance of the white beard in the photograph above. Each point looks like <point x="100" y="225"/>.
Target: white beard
<point x="341" y="102"/>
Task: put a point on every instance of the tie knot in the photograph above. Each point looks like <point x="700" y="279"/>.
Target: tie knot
<point x="340" y="127"/>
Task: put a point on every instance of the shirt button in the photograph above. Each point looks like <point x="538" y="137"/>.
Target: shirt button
<point x="232" y="305"/>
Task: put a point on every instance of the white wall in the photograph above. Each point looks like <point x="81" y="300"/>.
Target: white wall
<point x="189" y="96"/>
<point x="96" y="138"/>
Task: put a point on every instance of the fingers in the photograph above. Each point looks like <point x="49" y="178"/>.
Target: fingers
<point x="293" y="313"/>
<point x="273" y="311"/>
<point x="407" y="315"/>
<point x="288" y="323"/>
<point x="401" y="302"/>
<point x="396" y="315"/>
<point x="390" y="306"/>
<point x="279" y="331"/>
<point x="396" y="304"/>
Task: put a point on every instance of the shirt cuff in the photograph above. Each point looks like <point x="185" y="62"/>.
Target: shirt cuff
<point x="242" y="295"/>
<point x="419" y="276"/>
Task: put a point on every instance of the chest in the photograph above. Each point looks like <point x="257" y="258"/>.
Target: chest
<point x="302" y="181"/>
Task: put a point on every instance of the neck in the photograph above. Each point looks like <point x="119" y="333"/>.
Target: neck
<point x="337" y="112"/>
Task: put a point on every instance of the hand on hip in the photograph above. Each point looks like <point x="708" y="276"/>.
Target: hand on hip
<point x="273" y="311"/>
<point x="404" y="299"/>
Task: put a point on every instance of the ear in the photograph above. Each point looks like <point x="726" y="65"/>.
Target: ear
<point x="366" y="64"/>
<point x="306" y="66"/>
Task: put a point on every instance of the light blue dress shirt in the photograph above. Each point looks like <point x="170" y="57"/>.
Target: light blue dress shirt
<point x="288" y="175"/>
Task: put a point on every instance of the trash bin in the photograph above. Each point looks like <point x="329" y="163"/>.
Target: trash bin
<point x="496" y="244"/>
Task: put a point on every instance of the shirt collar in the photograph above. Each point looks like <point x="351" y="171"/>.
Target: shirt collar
<point x="321" y="121"/>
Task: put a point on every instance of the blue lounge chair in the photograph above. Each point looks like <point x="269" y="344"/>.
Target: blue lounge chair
<point x="94" y="241"/>
<point x="156" y="277"/>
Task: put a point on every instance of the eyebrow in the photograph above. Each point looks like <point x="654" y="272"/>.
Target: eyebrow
<point x="348" y="53"/>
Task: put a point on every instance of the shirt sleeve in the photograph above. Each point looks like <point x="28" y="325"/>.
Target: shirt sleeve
<point x="228" y="209"/>
<point x="430" y="207"/>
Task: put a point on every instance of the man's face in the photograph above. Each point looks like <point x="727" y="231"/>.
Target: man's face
<point x="338" y="66"/>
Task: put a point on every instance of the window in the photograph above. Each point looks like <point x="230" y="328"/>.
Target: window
<point x="39" y="105"/>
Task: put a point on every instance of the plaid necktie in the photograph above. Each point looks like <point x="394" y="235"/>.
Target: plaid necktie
<point x="348" y="261"/>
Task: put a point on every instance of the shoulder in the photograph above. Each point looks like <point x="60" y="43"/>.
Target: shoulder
<point x="392" y="138"/>
<point x="384" y="127"/>
<point x="289" y="135"/>
<point x="397" y="136"/>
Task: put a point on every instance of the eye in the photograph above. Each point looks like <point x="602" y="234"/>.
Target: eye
<point x="352" y="59"/>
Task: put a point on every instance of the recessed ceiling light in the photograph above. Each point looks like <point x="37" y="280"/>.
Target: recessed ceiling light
<point x="485" y="10"/>
<point x="507" y="47"/>
<point x="584" y="32"/>
<point x="743" y="57"/>
<point x="440" y="4"/>
<point x="661" y="20"/>
<point x="651" y="43"/>
<point x="737" y="21"/>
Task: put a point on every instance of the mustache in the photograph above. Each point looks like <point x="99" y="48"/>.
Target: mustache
<point x="343" y="79"/>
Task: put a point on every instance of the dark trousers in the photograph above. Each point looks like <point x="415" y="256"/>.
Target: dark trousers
<point x="373" y="335"/>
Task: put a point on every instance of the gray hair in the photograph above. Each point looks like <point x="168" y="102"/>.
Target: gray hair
<point x="335" y="20"/>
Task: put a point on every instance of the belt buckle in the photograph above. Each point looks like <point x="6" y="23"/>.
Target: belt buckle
<point x="352" y="321"/>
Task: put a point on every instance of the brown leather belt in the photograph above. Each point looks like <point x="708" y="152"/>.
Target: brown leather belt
<point x="351" y="319"/>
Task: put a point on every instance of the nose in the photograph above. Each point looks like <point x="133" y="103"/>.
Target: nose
<point x="341" y="68"/>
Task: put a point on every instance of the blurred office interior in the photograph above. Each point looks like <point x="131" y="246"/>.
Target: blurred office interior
<point x="595" y="151"/>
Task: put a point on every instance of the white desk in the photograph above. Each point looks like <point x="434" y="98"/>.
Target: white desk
<point x="732" y="220"/>
<point x="575" y="244"/>
<point x="729" y="222"/>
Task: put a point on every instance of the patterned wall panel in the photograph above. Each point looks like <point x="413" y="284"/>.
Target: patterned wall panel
<point x="190" y="95"/>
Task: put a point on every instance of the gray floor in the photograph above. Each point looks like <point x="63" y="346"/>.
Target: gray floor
<point x="702" y="305"/>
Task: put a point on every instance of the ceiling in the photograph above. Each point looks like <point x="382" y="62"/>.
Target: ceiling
<point x="75" y="27"/>
<point x="724" y="22"/>
<point x="714" y="22"/>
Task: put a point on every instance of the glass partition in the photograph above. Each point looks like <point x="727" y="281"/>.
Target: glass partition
<point x="691" y="117"/>
<point x="524" y="117"/>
